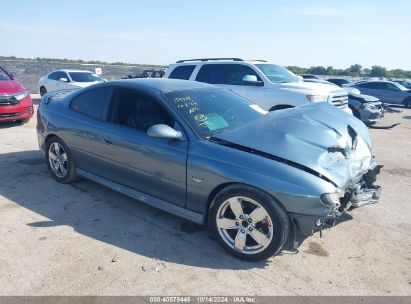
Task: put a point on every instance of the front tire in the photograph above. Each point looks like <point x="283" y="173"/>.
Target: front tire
<point x="59" y="161"/>
<point x="248" y="223"/>
<point x="407" y="103"/>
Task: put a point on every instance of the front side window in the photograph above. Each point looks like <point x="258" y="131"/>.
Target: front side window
<point x="84" y="77"/>
<point x="4" y="75"/>
<point x="137" y="111"/>
<point x="277" y="74"/>
<point x="92" y="103"/>
<point x="182" y="72"/>
<point x="231" y="74"/>
<point x="210" y="111"/>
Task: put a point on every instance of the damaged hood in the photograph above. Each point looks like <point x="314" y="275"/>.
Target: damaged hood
<point x="317" y="136"/>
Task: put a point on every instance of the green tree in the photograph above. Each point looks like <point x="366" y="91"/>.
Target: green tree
<point x="378" y="71"/>
<point x="355" y="69"/>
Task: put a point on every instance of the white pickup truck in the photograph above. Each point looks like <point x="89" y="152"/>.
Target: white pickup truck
<point x="270" y="86"/>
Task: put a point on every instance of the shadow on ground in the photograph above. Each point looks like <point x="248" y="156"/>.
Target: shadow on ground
<point x="107" y="216"/>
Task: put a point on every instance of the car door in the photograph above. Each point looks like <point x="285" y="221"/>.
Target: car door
<point x="230" y="76"/>
<point x="61" y="84"/>
<point x="153" y="166"/>
<point x="391" y="93"/>
<point x="51" y="82"/>
<point x="87" y="127"/>
<point x="371" y="88"/>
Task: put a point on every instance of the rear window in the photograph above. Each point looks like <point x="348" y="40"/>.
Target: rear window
<point x="182" y="72"/>
<point x="92" y="103"/>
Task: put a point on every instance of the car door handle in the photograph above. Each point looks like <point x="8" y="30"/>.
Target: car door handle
<point x="106" y="140"/>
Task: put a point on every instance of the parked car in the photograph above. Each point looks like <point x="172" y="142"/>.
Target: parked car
<point x="386" y="91"/>
<point x="15" y="102"/>
<point x="67" y="79"/>
<point x="310" y="76"/>
<point x="212" y="157"/>
<point x="150" y="73"/>
<point x="341" y="82"/>
<point x="405" y="83"/>
<point x="270" y="86"/>
<point x="368" y="109"/>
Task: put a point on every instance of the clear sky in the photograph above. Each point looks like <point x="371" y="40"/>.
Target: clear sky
<point x="290" y="32"/>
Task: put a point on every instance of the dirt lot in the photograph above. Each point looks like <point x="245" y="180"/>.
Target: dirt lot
<point x="83" y="239"/>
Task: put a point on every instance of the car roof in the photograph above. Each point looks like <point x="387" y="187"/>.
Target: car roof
<point x="71" y="70"/>
<point x="165" y="85"/>
<point x="219" y="61"/>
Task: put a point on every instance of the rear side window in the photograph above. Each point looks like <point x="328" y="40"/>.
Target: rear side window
<point x="54" y="76"/>
<point x="182" y="72"/>
<point x="92" y="103"/>
<point x="370" y="85"/>
<point x="225" y="73"/>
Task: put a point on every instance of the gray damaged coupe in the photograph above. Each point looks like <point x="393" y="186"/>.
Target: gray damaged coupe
<point x="257" y="180"/>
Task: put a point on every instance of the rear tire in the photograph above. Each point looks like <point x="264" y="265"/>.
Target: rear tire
<point x="243" y="231"/>
<point x="407" y="102"/>
<point x="59" y="161"/>
<point x="43" y="91"/>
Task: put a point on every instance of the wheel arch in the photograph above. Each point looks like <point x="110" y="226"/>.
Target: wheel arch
<point x="223" y="186"/>
<point x="355" y="112"/>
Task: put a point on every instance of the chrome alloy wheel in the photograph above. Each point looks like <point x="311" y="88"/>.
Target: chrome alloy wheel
<point x="58" y="160"/>
<point x="244" y="225"/>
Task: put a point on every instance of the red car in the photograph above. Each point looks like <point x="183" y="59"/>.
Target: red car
<point x="15" y="102"/>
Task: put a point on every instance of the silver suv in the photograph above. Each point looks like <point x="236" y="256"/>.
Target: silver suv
<point x="270" y="86"/>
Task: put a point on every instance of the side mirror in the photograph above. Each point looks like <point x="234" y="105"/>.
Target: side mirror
<point x="63" y="79"/>
<point x="164" y="131"/>
<point x="251" y="80"/>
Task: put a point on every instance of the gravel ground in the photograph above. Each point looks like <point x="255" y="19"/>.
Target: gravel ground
<point x="84" y="239"/>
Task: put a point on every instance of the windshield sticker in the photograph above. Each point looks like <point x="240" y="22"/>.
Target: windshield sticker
<point x="212" y="121"/>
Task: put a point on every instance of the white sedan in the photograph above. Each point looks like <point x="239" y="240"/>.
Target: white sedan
<point x="67" y="79"/>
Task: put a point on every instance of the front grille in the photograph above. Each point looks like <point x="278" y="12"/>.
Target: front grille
<point x="7" y="100"/>
<point x="339" y="100"/>
<point x="10" y="115"/>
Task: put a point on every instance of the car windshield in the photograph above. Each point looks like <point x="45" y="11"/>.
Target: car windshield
<point x="4" y="75"/>
<point x="84" y="77"/>
<point x="213" y="111"/>
<point x="401" y="87"/>
<point x="276" y="73"/>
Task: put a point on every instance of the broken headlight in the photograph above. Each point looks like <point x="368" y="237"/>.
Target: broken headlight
<point x="332" y="199"/>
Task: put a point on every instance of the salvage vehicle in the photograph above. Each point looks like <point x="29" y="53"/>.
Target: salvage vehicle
<point x="387" y="91"/>
<point x="270" y="86"/>
<point x="367" y="108"/>
<point x="67" y="79"/>
<point x="212" y="157"/>
<point x="15" y="102"/>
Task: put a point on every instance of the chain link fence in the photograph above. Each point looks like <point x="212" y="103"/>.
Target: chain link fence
<point x="29" y="72"/>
